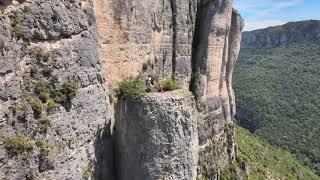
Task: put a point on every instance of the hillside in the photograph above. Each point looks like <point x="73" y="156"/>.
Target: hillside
<point x="265" y="161"/>
<point x="282" y="35"/>
<point x="277" y="93"/>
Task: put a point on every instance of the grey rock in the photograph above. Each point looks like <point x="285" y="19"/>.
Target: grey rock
<point x="156" y="137"/>
<point x="59" y="35"/>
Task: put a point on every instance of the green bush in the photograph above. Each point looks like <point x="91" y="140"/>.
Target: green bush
<point x="18" y="145"/>
<point x="36" y="107"/>
<point x="33" y="71"/>
<point x="46" y="71"/>
<point x="167" y="85"/>
<point x="69" y="89"/>
<point x="23" y="110"/>
<point x="17" y="28"/>
<point x="57" y="96"/>
<point x="30" y="175"/>
<point x="55" y="16"/>
<point x="41" y="87"/>
<point x="51" y="106"/>
<point x="41" y="56"/>
<point x="44" y="96"/>
<point x="44" y="125"/>
<point x="133" y="86"/>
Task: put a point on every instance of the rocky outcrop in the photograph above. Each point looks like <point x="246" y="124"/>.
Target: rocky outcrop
<point x="215" y="50"/>
<point x="157" y="137"/>
<point x="156" y="33"/>
<point x="53" y="102"/>
<point x="292" y="32"/>
<point x="193" y="42"/>
<point x="54" y="107"/>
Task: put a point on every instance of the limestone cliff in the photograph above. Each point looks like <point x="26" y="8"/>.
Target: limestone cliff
<point x="194" y="42"/>
<point x="157" y="137"/>
<point x="158" y="33"/>
<point x="56" y="119"/>
<point x="52" y="91"/>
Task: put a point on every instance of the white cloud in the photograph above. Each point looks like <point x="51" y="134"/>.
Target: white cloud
<point x="253" y="25"/>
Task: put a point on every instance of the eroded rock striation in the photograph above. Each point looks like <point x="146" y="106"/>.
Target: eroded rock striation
<point x="158" y="33"/>
<point x="157" y="137"/>
<point x="53" y="101"/>
<point x="55" y="114"/>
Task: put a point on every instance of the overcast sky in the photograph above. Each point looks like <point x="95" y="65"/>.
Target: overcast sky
<point x="264" y="13"/>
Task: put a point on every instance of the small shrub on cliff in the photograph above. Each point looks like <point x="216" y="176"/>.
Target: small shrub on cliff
<point x="69" y="89"/>
<point x="30" y="175"/>
<point x="41" y="56"/>
<point x="33" y="71"/>
<point x="36" y="107"/>
<point x="44" y="125"/>
<point x="51" y="106"/>
<point x="55" y="16"/>
<point x="41" y="87"/>
<point x="133" y="86"/>
<point x="44" y="96"/>
<point x="17" y="28"/>
<point x="167" y="85"/>
<point x="17" y="145"/>
<point x="46" y="71"/>
<point x="87" y="173"/>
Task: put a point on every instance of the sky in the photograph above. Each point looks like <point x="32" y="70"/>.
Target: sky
<point x="264" y="13"/>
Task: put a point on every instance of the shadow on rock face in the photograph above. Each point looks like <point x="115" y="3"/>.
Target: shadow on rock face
<point x="4" y="4"/>
<point x="104" y="151"/>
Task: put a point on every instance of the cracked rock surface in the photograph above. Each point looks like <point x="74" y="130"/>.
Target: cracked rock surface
<point x="157" y="137"/>
<point x="52" y="90"/>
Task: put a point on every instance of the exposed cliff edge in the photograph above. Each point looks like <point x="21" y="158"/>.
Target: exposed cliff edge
<point x="54" y="105"/>
<point x="157" y="137"/>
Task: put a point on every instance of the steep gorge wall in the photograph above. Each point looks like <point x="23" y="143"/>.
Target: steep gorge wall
<point x="53" y="103"/>
<point x="158" y="33"/>
<point x="193" y="42"/>
<point x="54" y="106"/>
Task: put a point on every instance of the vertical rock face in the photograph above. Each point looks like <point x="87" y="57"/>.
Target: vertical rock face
<point x="53" y="100"/>
<point x="157" y="137"/>
<point x="215" y="50"/>
<point x="234" y="49"/>
<point x="158" y="33"/>
<point x="195" y="43"/>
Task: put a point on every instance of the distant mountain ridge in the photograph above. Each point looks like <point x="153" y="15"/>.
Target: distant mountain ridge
<point x="275" y="36"/>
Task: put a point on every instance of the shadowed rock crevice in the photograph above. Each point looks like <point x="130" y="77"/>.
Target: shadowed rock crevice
<point x="104" y="167"/>
<point x="174" y="36"/>
<point x="5" y="3"/>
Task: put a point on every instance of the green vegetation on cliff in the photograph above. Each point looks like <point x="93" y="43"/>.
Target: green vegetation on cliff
<point x="278" y="97"/>
<point x="267" y="162"/>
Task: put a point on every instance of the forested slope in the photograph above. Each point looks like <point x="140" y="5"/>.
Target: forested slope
<point x="278" y="96"/>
